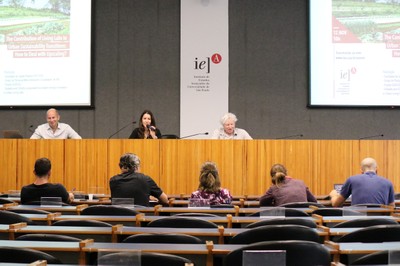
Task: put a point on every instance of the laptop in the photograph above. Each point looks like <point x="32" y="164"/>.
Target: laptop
<point x="12" y="134"/>
<point x="338" y="187"/>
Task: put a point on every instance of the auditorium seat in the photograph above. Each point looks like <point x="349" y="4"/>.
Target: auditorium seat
<point x="25" y="255"/>
<point x="289" y="220"/>
<point x="7" y="217"/>
<point x="298" y="252"/>
<point x="276" y="232"/>
<point x="182" y="222"/>
<point x="109" y="210"/>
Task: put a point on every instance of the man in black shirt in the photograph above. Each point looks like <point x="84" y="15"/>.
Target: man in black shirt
<point x="132" y="184"/>
<point x="41" y="187"/>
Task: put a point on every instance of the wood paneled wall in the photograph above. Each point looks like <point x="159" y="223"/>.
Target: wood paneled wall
<point x="174" y="164"/>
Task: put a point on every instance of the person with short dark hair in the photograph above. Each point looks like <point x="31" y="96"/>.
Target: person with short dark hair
<point x="132" y="184"/>
<point x="53" y="129"/>
<point x="41" y="187"/>
<point x="366" y="188"/>
<point x="285" y="189"/>
<point x="210" y="186"/>
<point x="147" y="127"/>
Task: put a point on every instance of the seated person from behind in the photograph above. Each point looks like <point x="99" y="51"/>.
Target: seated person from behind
<point x="147" y="127"/>
<point x="53" y="129"/>
<point x="41" y="187"/>
<point x="365" y="188"/>
<point x="229" y="129"/>
<point x="132" y="184"/>
<point x="210" y="186"/>
<point x="285" y="189"/>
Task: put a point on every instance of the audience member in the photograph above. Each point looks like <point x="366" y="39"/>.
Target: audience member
<point x="366" y="188"/>
<point x="147" y="127"/>
<point x="285" y="189"/>
<point x="41" y="187"/>
<point x="210" y="186"/>
<point x="229" y="130"/>
<point x="132" y="184"/>
<point x="53" y="129"/>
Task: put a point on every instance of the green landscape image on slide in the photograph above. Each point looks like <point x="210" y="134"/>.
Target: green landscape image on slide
<point x="34" y="17"/>
<point x="369" y="20"/>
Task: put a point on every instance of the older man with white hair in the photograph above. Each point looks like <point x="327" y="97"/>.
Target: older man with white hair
<point x="366" y="188"/>
<point x="229" y="129"/>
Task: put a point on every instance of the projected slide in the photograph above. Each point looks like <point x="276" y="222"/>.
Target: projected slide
<point x="355" y="53"/>
<point x="45" y="53"/>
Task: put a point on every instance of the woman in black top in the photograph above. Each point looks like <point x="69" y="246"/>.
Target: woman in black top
<point x="147" y="127"/>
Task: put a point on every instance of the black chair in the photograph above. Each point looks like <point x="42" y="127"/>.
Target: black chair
<point x="288" y="212"/>
<point x="290" y="220"/>
<point x="5" y="201"/>
<point x="372" y="234"/>
<point x="48" y="237"/>
<point x="25" y="255"/>
<point x="28" y="211"/>
<point x="182" y="222"/>
<point x="276" y="232"/>
<point x="163" y="238"/>
<point x="335" y="212"/>
<point x="365" y="222"/>
<point x="109" y="210"/>
<point x="221" y="206"/>
<point x="298" y="252"/>
<point x="91" y="223"/>
<point x="196" y="214"/>
<point x="7" y="217"/>
<point x="169" y="136"/>
<point x="302" y="205"/>
<point x="146" y="259"/>
<point x="376" y="258"/>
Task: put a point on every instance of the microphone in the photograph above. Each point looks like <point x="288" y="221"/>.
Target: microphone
<point x="197" y="134"/>
<point x="291" y="136"/>
<point x="130" y="123"/>
<point x="371" y="137"/>
<point x="151" y="128"/>
<point x="31" y="129"/>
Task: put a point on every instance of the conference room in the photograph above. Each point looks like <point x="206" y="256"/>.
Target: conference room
<point x="298" y="81"/>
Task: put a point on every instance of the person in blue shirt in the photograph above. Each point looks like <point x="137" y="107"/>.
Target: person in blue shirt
<point x="366" y="188"/>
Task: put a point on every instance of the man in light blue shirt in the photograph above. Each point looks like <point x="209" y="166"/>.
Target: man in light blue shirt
<point x="366" y="188"/>
<point x="53" y="129"/>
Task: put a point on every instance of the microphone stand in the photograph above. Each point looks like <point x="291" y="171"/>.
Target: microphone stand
<point x="205" y="133"/>
<point x="370" y="137"/>
<point x="291" y="136"/>
<point x="130" y="123"/>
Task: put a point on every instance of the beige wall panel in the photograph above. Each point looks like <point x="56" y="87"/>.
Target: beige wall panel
<point x="31" y="150"/>
<point x="8" y="165"/>
<point x="180" y="163"/>
<point x="332" y="163"/>
<point x="257" y="167"/>
<point x="393" y="163"/>
<point x="86" y="165"/>
<point x="231" y="161"/>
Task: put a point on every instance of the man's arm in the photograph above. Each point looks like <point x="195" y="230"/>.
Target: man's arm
<point x="163" y="199"/>
<point x="337" y="200"/>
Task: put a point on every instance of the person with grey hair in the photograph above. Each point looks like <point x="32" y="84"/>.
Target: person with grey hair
<point x="366" y="188"/>
<point x="132" y="184"/>
<point x="53" y="129"/>
<point x="229" y="129"/>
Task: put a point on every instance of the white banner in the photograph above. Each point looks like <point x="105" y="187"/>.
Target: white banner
<point x="204" y="66"/>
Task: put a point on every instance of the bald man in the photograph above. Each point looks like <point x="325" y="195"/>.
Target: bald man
<point x="366" y="188"/>
<point x="53" y="129"/>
